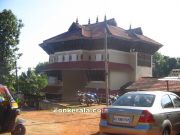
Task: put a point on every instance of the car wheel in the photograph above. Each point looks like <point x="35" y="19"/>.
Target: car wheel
<point x="19" y="130"/>
<point x="166" y="131"/>
<point x="101" y="133"/>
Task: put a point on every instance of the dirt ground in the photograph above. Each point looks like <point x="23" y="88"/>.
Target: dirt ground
<point x="62" y="123"/>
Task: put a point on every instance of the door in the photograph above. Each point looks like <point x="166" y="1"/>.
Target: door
<point x="176" y="111"/>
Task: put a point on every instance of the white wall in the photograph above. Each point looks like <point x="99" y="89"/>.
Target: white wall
<point x="118" y="79"/>
<point x="142" y="71"/>
<point x="114" y="56"/>
<point x="133" y="63"/>
<point x="96" y="55"/>
<point x="119" y="56"/>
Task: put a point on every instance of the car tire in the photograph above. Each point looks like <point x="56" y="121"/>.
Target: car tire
<point x="166" y="131"/>
<point x="19" y="130"/>
<point x="101" y="133"/>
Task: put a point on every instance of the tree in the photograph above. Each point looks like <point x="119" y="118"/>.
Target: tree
<point x="39" y="68"/>
<point x="9" y="39"/>
<point x="31" y="83"/>
<point x="164" y="64"/>
<point x="172" y="63"/>
<point x="159" y="63"/>
<point x="178" y="63"/>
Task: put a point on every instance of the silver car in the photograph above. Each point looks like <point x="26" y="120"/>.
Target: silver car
<point x="142" y="113"/>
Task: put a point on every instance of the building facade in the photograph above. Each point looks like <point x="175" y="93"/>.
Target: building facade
<point x="77" y="58"/>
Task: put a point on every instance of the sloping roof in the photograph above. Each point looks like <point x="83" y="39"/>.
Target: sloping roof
<point x="97" y="30"/>
<point x="64" y="37"/>
<point x="148" y="83"/>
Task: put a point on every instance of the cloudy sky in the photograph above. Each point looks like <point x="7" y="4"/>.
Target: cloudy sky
<point x="159" y="20"/>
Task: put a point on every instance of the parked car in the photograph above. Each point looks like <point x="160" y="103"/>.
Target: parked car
<point x="142" y="113"/>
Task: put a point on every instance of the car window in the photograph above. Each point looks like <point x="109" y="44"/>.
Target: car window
<point x="176" y="100"/>
<point x="137" y="100"/>
<point x="166" y="102"/>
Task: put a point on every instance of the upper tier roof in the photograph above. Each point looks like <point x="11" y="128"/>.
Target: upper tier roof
<point x="97" y="31"/>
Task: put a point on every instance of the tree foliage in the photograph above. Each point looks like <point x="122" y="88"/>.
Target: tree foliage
<point x="164" y="64"/>
<point x="39" y="68"/>
<point x="9" y="39"/>
<point x="31" y="82"/>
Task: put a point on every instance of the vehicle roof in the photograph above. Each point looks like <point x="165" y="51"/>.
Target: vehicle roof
<point x="2" y="88"/>
<point x="151" y="92"/>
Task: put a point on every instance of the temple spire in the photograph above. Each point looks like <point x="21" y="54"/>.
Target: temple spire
<point x="97" y="19"/>
<point x="130" y="26"/>
<point x="77" y="21"/>
<point x="89" y="21"/>
<point x="105" y="18"/>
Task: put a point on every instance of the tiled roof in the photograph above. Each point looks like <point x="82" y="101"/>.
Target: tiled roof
<point x="65" y="36"/>
<point x="148" y="83"/>
<point x="97" y="30"/>
<point x="119" y="32"/>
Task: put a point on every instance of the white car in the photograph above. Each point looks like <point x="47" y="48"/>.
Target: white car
<point x="142" y="113"/>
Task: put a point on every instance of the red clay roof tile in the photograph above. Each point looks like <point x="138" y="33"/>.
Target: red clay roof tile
<point x="148" y="83"/>
<point x="97" y="30"/>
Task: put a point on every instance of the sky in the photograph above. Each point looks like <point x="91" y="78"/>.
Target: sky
<point x="43" y="19"/>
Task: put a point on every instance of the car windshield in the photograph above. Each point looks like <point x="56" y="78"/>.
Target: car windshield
<point x="135" y="99"/>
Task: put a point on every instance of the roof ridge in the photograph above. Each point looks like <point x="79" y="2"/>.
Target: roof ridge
<point x="108" y="21"/>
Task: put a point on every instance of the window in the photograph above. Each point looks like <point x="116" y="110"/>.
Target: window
<point x="99" y="57"/>
<point x="144" y="59"/>
<point x="137" y="100"/>
<point x="60" y="58"/>
<point x="51" y="59"/>
<point x="176" y="100"/>
<point x="102" y="57"/>
<point x="96" y="75"/>
<point x="55" y="58"/>
<point x="74" y="57"/>
<point x="89" y="57"/>
<point x="63" y="58"/>
<point x="166" y="102"/>
<point x="66" y="58"/>
<point x="81" y="56"/>
<point x="70" y="57"/>
<point x="52" y="80"/>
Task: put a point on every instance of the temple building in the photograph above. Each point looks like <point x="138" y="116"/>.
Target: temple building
<point x="77" y="58"/>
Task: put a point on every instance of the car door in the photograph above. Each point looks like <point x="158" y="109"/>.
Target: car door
<point x="176" y="102"/>
<point x="168" y="110"/>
